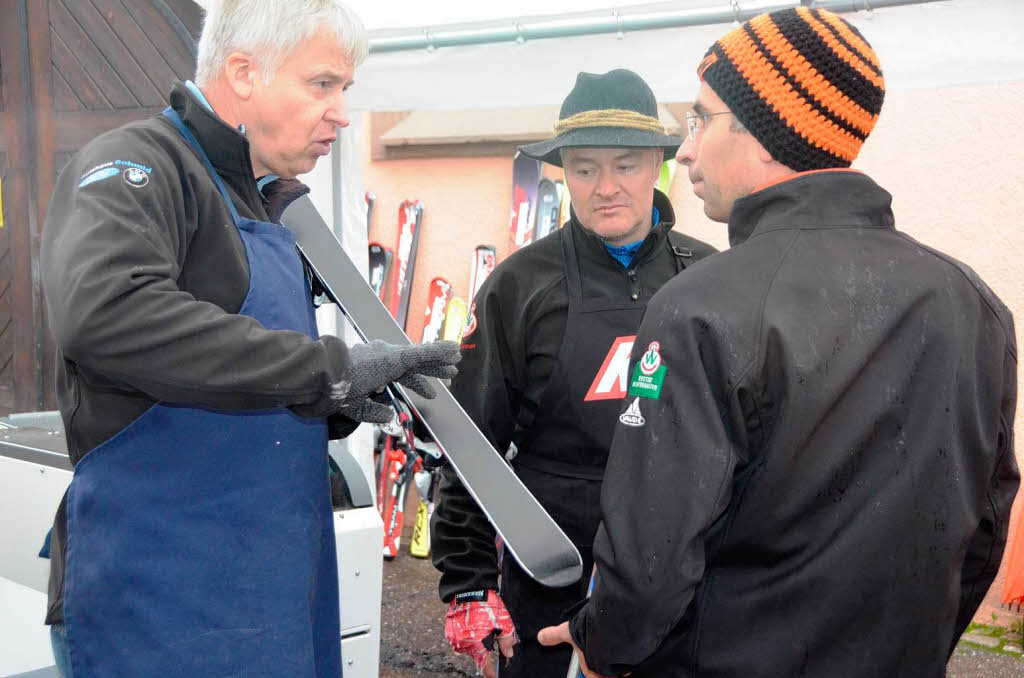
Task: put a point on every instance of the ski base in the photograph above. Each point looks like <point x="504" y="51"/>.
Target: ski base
<point x="530" y="535"/>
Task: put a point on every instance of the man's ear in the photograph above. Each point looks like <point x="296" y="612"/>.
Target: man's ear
<point x="241" y="71"/>
<point x="763" y="155"/>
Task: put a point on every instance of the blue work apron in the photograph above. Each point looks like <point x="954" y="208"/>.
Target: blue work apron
<point x="201" y="542"/>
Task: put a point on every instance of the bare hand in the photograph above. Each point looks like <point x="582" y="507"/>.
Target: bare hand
<point x="556" y="635"/>
<point x="504" y="644"/>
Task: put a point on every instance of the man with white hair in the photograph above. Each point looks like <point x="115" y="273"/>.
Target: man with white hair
<point x="196" y="538"/>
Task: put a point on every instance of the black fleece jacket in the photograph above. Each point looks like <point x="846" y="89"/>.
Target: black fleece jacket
<point x="506" y="362"/>
<point x="824" y="484"/>
<point x="144" y="273"/>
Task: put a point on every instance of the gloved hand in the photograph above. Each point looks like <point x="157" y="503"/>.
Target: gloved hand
<point x="375" y="409"/>
<point x="472" y="618"/>
<point x="375" y="365"/>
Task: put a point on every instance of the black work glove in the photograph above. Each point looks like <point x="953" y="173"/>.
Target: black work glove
<point x="375" y="365"/>
<point x="374" y="410"/>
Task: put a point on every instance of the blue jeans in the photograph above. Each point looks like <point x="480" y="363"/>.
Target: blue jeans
<point x="61" y="651"/>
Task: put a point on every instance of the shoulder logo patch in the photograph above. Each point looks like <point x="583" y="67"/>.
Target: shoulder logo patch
<point x="610" y="382"/>
<point x="135" y="173"/>
<point x="135" y="177"/>
<point x="649" y="374"/>
<point x="632" y="416"/>
<point x="98" y="175"/>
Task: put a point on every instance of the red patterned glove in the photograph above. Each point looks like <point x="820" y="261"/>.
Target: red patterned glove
<point x="472" y="618"/>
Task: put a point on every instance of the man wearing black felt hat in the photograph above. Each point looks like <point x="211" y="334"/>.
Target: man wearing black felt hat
<point x="545" y="365"/>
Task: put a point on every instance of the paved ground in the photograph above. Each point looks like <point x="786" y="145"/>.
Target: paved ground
<point x="413" y="644"/>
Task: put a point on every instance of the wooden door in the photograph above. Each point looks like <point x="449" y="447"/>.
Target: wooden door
<point x="69" y="70"/>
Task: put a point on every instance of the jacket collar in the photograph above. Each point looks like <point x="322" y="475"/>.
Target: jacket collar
<point x="819" y="199"/>
<point x="226" y="147"/>
<point x="593" y="248"/>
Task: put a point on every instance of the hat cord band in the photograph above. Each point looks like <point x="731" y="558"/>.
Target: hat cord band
<point x="610" y="117"/>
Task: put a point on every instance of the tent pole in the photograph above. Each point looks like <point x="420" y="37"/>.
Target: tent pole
<point x="587" y="24"/>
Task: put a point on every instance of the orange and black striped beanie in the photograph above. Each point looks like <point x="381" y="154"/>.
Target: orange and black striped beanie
<point x="803" y="81"/>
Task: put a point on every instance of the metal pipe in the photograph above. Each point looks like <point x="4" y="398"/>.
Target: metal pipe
<point x="486" y="32"/>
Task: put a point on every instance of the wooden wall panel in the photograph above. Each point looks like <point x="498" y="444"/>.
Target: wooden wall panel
<point x="178" y="55"/>
<point x="121" y="58"/>
<point x="100" y="72"/>
<point x="69" y="71"/>
<point x="6" y="308"/>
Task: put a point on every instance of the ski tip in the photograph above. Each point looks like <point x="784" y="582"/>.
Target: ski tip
<point x="563" y="569"/>
<point x="561" y="577"/>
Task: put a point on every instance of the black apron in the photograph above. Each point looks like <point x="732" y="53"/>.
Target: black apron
<point x="562" y="457"/>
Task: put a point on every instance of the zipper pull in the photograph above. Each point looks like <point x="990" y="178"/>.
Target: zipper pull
<point x="635" y="279"/>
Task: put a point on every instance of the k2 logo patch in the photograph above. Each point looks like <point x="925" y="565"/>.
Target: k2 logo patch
<point x="610" y="382"/>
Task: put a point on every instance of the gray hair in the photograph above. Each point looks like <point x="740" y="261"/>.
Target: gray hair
<point x="270" y="29"/>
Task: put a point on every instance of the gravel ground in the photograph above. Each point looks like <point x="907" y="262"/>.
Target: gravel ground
<point x="412" y="639"/>
<point x="413" y="643"/>
<point x="968" y="662"/>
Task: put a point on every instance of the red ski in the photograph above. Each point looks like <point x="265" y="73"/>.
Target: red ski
<point x="410" y="217"/>
<point x="403" y="462"/>
<point x="437" y="305"/>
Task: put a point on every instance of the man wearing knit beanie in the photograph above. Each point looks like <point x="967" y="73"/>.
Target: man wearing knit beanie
<point x="826" y="490"/>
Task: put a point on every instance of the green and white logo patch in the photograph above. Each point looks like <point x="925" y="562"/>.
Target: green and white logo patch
<point x="649" y="373"/>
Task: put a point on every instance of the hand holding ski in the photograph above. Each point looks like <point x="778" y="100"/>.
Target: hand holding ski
<point x="376" y="365"/>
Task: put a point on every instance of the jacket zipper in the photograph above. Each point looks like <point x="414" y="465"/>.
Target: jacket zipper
<point x="635" y="279"/>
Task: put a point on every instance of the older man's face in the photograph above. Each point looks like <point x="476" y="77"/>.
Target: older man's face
<point x="612" y="190"/>
<point x="293" y="120"/>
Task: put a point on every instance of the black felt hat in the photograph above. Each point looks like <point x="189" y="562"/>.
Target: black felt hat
<point x="616" y="108"/>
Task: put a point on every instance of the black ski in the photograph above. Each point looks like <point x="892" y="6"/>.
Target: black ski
<point x="548" y="207"/>
<point x="380" y="267"/>
<point x="529" y="533"/>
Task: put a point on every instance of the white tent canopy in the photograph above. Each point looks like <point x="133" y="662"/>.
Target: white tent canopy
<point x="935" y="44"/>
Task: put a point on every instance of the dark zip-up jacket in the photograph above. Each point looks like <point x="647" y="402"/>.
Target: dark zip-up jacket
<point x="144" y="273"/>
<point x="824" y="484"/>
<point x="520" y="316"/>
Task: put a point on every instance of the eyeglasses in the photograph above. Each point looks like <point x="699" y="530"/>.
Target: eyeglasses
<point x="695" y="122"/>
